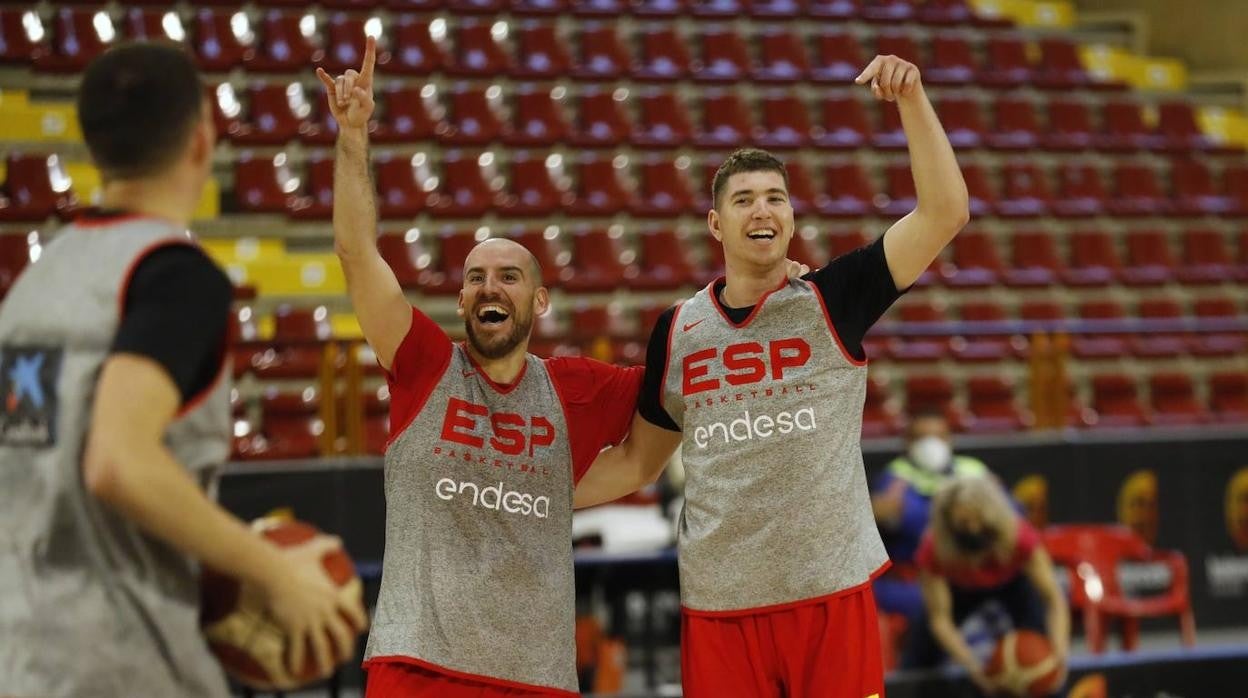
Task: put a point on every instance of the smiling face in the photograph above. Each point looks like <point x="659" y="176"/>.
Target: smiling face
<point x="502" y="295"/>
<point x="753" y="219"/>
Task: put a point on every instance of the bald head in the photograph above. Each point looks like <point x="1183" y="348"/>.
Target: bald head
<point x="501" y="253"/>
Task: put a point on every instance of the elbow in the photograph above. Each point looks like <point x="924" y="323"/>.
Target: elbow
<point x="101" y="473"/>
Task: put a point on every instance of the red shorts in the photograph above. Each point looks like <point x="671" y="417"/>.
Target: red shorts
<point x="397" y="678"/>
<point x="825" y="649"/>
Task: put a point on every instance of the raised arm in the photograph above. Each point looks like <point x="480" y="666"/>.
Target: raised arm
<point x="942" y="209"/>
<point x="384" y="313"/>
<point x="624" y="469"/>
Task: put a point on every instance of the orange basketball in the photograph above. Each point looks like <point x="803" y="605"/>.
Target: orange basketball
<point x="1023" y="664"/>
<point x="249" y="645"/>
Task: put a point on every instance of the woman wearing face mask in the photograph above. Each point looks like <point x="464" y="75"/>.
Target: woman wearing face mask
<point x="978" y="549"/>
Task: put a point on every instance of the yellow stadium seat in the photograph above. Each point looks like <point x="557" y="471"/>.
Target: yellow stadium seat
<point x="14" y="98"/>
<point x="1050" y="15"/>
<point x="50" y="122"/>
<point x="86" y="182"/>
<point x="346" y="326"/>
<point x="1228" y="126"/>
<point x="304" y="274"/>
<point x="210" y="203"/>
<point x="229" y="251"/>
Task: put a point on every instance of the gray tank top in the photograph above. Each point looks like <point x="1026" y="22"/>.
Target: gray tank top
<point x="89" y="604"/>
<point x="477" y="573"/>
<point x="776" y="504"/>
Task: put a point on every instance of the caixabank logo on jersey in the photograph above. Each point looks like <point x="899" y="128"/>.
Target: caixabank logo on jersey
<point x="28" y="377"/>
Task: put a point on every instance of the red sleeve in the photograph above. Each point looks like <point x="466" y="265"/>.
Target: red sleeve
<point x="598" y="400"/>
<point x="421" y="359"/>
<point x="1028" y="541"/>
<point x="925" y="556"/>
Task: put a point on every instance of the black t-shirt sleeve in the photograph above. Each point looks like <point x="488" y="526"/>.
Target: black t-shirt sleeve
<point x="857" y="288"/>
<point x="650" y="403"/>
<point x="177" y="306"/>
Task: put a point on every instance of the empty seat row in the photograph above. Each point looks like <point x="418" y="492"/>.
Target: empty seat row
<point x="419" y="45"/>
<point x="470" y="184"/>
<point x="654" y="117"/>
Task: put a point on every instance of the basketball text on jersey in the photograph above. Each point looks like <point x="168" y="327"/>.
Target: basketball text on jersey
<point x="745" y="363"/>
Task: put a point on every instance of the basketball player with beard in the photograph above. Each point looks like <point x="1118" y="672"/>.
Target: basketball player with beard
<point x="486" y="444"/>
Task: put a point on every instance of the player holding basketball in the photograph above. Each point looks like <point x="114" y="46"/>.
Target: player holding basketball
<point x="487" y="442"/>
<point x="116" y="417"/>
<point x="765" y="379"/>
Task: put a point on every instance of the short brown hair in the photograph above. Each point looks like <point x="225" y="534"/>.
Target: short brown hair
<point x="745" y="160"/>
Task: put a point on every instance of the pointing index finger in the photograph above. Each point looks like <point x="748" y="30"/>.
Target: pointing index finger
<point x="370" y="59"/>
<point x="869" y="72"/>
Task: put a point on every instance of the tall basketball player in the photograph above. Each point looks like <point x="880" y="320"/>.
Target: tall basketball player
<point x="486" y="444"/>
<point x="763" y="380"/>
<point x="116" y="416"/>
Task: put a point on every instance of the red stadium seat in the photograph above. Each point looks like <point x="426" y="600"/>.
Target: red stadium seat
<point x="924" y="347"/>
<point x="847" y="191"/>
<point x="1155" y="344"/>
<point x="659" y="8"/>
<point x="663" y="120"/>
<point x="991" y="406"/>
<point x="932" y="392"/>
<point x="1149" y="260"/>
<point x="953" y="61"/>
<point x="1093" y="259"/>
<point x="410" y="114"/>
<point x="802" y="190"/>
<point x="986" y="347"/>
<point x="1137" y="192"/>
<point x="889" y="135"/>
<point x="282" y="45"/>
<point x="1042" y="311"/>
<point x="404" y="184"/>
<point x="599" y="8"/>
<point x="782" y="57"/>
<point x="602" y="56"/>
<point x="1206" y="258"/>
<point x="264" y="184"/>
<point x="945" y="12"/>
<point x="663" y="188"/>
<point x="888" y="12"/>
<point x="785" y="123"/>
<point x="1061" y="68"/>
<point x="320" y="127"/>
<point x="376" y="420"/>
<point x="1116" y="402"/>
<point x="416" y="52"/>
<point x="1070" y="126"/>
<point x="149" y="25"/>
<point x="839" y="58"/>
<point x="408" y="259"/>
<point x="1194" y="191"/>
<point x="714" y="267"/>
<point x="466" y="189"/>
<point x="1124" y="129"/>
<point x="1176" y="122"/>
<point x="476" y="7"/>
<point x="1216" y="344"/>
<point x="1174" y="400"/>
<point x="290" y="426"/>
<point x="600" y="119"/>
<point x="804" y="248"/>
<point x="724" y="56"/>
<point x="15" y="252"/>
<point x="599" y="191"/>
<point x="901" y="197"/>
<point x="664" y="55"/>
<point x="1007" y="65"/>
<point x="17" y="27"/>
<point x="665" y="262"/>
<point x="537" y="118"/>
<point x="976" y="263"/>
<point x="318" y="201"/>
<point x="1101" y="345"/>
<point x="1016" y="126"/>
<point x="344" y="45"/>
<point x="538" y="7"/>
<point x="76" y="36"/>
<point x="725" y="121"/>
<point x="845" y="124"/>
<point x="1034" y="260"/>
<point x="719" y="8"/>
<point x="478" y="52"/>
<point x="475" y="116"/>
<point x="1235" y="182"/>
<point x="899" y="43"/>
<point x="271" y="114"/>
<point x="35" y="188"/>
<point x="1026" y="191"/>
<point x="600" y="262"/>
<point x="541" y="52"/>
<point x="536" y="186"/>
<point x="448" y="276"/>
<point x="962" y="121"/>
<point x="1228" y="396"/>
<point x="777" y="9"/>
<point x="545" y="247"/>
<point x="1080" y="192"/>
<point x="983" y="200"/>
<point x="841" y="10"/>
<point x="297" y="348"/>
<point x="879" y="419"/>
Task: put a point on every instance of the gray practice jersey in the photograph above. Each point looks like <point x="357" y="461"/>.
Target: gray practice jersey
<point x="776" y="503"/>
<point x="89" y="604"/>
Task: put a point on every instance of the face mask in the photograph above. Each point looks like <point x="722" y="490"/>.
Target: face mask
<point x="972" y="543"/>
<point x="931" y="453"/>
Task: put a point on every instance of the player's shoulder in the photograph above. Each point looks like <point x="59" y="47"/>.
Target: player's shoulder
<point x="578" y="378"/>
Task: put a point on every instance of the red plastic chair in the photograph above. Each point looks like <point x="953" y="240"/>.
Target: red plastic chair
<point x="1151" y="345"/>
<point x="537" y="118"/>
<point x="146" y="25"/>
<point x="1015" y="126"/>
<point x="477" y="52"/>
<point x="1061" y="68"/>
<point x="541" y="52"/>
<point x="1093" y="553"/>
<point x="953" y="61"/>
<point x="902" y="197"/>
<point x="1007" y="65"/>
<point x="536" y="187"/>
<point x="724" y="57"/>
<point x="890" y="135"/>
<point x="271" y="118"/>
<point x="983" y="197"/>
<point x="415" y="51"/>
<point x="1026" y="191"/>
<point x="1070" y="126"/>
<point x="538" y="7"/>
<point x="719" y="9"/>
<point x="976" y="263"/>
<point x="992" y="406"/>
<point x="879" y="419"/>
<point x="344" y="44"/>
<point x="933" y="392"/>
<point x="1125" y="130"/>
<point x="75" y="39"/>
<point x="659" y="8"/>
<point x="1176" y="122"/>
<point x="1194" y="191"/>
<point x="602" y="55"/>
<point x="962" y="121"/>
<point x="1174" y="401"/>
<point x="847" y="191"/>
<point x="1206" y="258"/>
<point x="839" y="57"/>
<point x="920" y="348"/>
<point x="546" y="247"/>
<point x="1116" y="402"/>
<point x="663" y="189"/>
<point x="785" y="123"/>
<point x="318" y="200"/>
<point x="402" y="185"/>
<point x="408" y="259"/>
<point x="844" y="124"/>
<point x="35" y="188"/>
<point x="410" y="115"/>
<point x="888" y="11"/>
<point x="841" y="10"/>
<point x="475" y="116"/>
<point x="447" y="276"/>
<point x="298" y="346"/>
<point x="1228" y="396"/>
<point x="666" y="263"/>
<point x="1137" y="192"/>
<point x="777" y="9"/>
<point x="15" y="37"/>
<point x="782" y="57"/>
<point x="599" y="191"/>
<point x="281" y="45"/>
<point x="664" y="55"/>
<point x="600" y="263"/>
<point x="1149" y="260"/>
<point x="1034" y="260"/>
<point x="600" y="120"/>
<point x="1080" y="192"/>
<point x="1218" y="344"/>
<point x="986" y="348"/>
<point x="290" y="425"/>
<point x="263" y="184"/>
<point x="466" y="189"/>
<point x="663" y="122"/>
<point x="1093" y="259"/>
<point x="802" y="190"/>
<point x="725" y="121"/>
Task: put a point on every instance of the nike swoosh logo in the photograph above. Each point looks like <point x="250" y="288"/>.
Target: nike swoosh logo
<point x="692" y="325"/>
<point x="469" y="374"/>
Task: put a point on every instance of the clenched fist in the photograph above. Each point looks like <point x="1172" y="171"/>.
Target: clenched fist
<point x="891" y="78"/>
